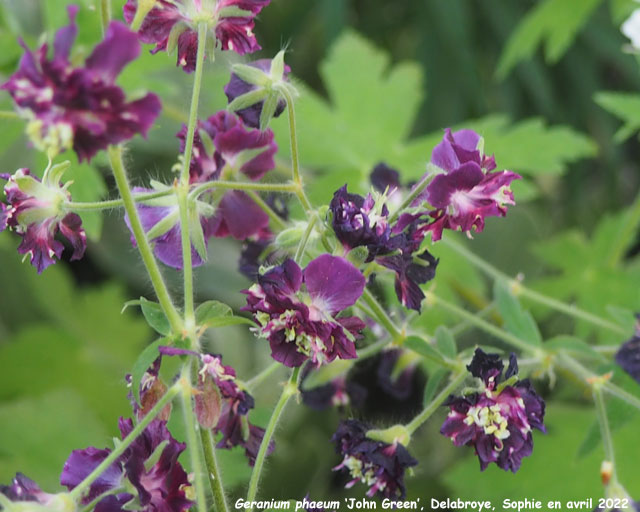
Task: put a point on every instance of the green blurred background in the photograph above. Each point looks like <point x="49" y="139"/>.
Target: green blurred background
<point x="391" y="75"/>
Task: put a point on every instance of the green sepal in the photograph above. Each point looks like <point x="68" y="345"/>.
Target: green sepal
<point x="247" y="99"/>
<point x="251" y="75"/>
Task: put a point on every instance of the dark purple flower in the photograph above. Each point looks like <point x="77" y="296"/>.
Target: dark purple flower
<point x="230" y="416"/>
<point x="467" y="191"/>
<point x="25" y="489"/>
<point x="384" y="178"/>
<point x="171" y="24"/>
<point x="377" y="464"/>
<point x="159" y="480"/>
<point x="233" y="150"/>
<point x="360" y="221"/>
<point x="248" y="99"/>
<point x="37" y="213"/>
<point x="80" y="107"/>
<point x="302" y="325"/>
<point x="4" y="216"/>
<point x="628" y="355"/>
<point x="497" y="421"/>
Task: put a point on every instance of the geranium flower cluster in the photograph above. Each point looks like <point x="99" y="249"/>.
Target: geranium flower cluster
<point x="498" y="420"/>
<point x="36" y="212"/>
<point x="173" y="24"/>
<point x="223" y="147"/>
<point x="460" y="197"/>
<point x="301" y="324"/>
<point x="80" y="107"/>
<point x="222" y="406"/>
<point x="377" y="464"/>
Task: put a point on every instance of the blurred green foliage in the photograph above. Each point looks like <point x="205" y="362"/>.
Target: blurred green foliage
<point x="379" y="81"/>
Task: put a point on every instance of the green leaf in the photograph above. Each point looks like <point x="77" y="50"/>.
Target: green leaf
<point x="423" y="348"/>
<point x="211" y="309"/>
<point x="543" y="475"/>
<point x="553" y="23"/>
<point x="142" y="364"/>
<point x="40" y="432"/>
<point x="225" y="321"/>
<point x="445" y="342"/>
<point x="583" y="271"/>
<point x="432" y="385"/>
<point x="153" y="314"/>
<point x="625" y="106"/>
<point x="516" y="320"/>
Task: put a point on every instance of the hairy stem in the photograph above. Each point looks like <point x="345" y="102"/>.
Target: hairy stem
<point x="455" y="383"/>
<point x="302" y="245"/>
<point x="605" y="431"/>
<point x="482" y="324"/>
<point x="239" y="185"/>
<point x="415" y="192"/>
<point x="531" y="294"/>
<point x="105" y="14"/>
<point x="290" y="389"/>
<point x="83" y="486"/>
<point x="193" y="443"/>
<point x="295" y="159"/>
<point x="382" y="317"/>
<point x="275" y="219"/>
<point x="9" y="114"/>
<point x="72" y="206"/>
<point x="215" y="481"/>
<point x="150" y="263"/>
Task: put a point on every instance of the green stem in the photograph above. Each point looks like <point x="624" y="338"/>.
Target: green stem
<point x="183" y="191"/>
<point x="372" y="349"/>
<point x="605" y="431"/>
<point x="464" y="325"/>
<point x="278" y="223"/>
<point x="531" y="294"/>
<point x="415" y="192"/>
<point x="208" y="444"/>
<point x="483" y="324"/>
<point x="79" y="490"/>
<point x="105" y="14"/>
<point x="253" y="383"/>
<point x="187" y="267"/>
<point x="195" y="98"/>
<point x="382" y="317"/>
<point x="574" y="367"/>
<point x="193" y="443"/>
<point x="295" y="159"/>
<point x="238" y="185"/>
<point x="150" y="263"/>
<point x="628" y="232"/>
<point x="302" y="245"/>
<point x="8" y="114"/>
<point x="437" y="402"/>
<point x="290" y="389"/>
<point x="114" y="203"/>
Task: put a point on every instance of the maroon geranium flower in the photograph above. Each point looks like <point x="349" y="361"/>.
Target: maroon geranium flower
<point x="377" y="464"/>
<point x="157" y="480"/>
<point x="80" y="107"/>
<point x="302" y="325"/>
<point x="30" y="497"/>
<point x="498" y="420"/>
<point x="467" y="191"/>
<point x="37" y="213"/>
<point x="364" y="222"/>
<point x="223" y="406"/>
<point x="172" y="24"/>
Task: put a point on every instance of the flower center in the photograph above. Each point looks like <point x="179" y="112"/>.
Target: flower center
<point x="490" y="419"/>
